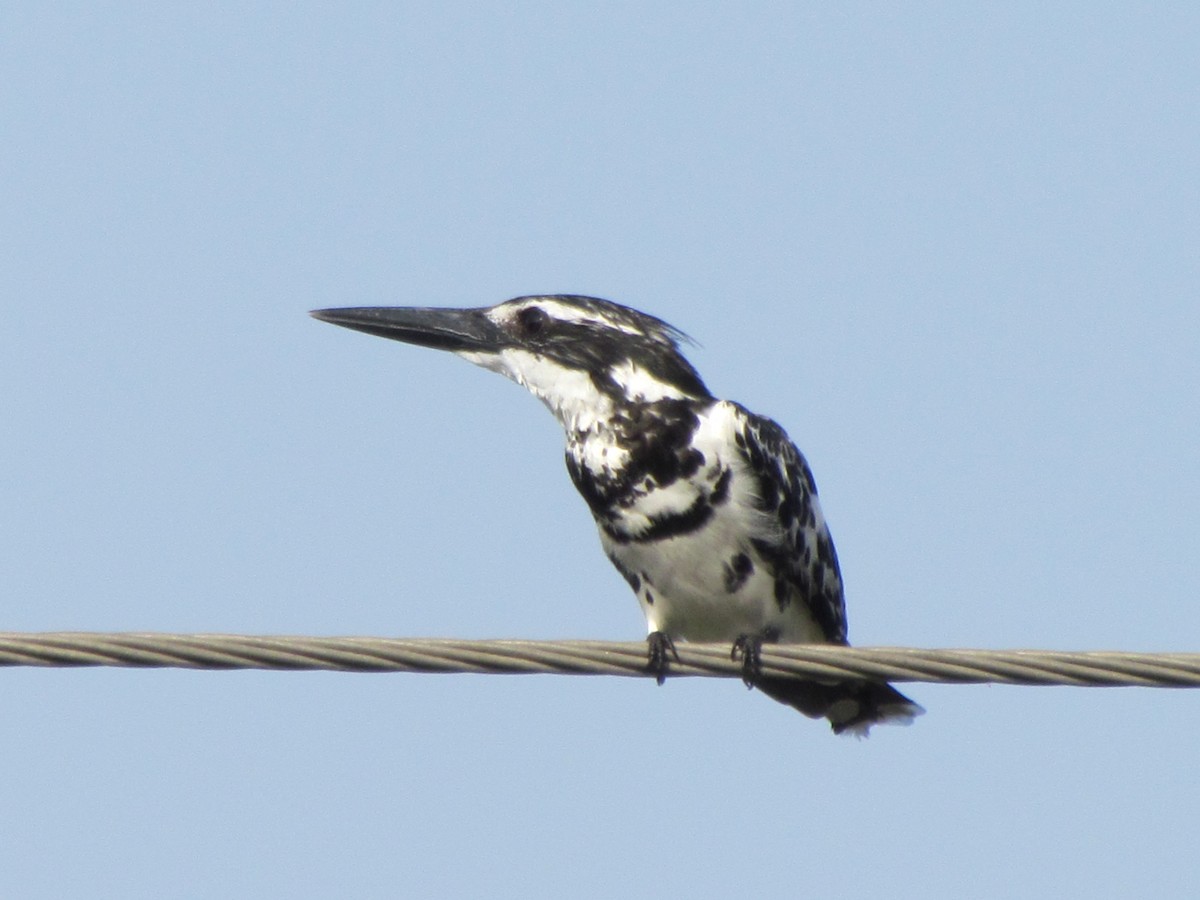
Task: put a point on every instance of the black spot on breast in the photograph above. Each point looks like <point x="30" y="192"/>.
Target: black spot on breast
<point x="736" y="571"/>
<point x="691" y="462"/>
<point x="665" y="526"/>
<point x="657" y="440"/>
<point x="649" y="599"/>
<point x="631" y="578"/>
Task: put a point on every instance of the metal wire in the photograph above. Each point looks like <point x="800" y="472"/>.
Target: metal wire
<point x="362" y="654"/>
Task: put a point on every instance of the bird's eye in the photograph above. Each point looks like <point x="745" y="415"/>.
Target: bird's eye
<point x="532" y="320"/>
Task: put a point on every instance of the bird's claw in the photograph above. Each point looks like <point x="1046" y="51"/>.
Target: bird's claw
<point x="748" y="648"/>
<point x="660" y="648"/>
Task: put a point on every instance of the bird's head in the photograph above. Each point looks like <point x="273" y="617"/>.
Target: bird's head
<point x="581" y="356"/>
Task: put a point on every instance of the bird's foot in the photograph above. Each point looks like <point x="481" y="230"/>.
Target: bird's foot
<point x="748" y="648"/>
<point x="660" y="647"/>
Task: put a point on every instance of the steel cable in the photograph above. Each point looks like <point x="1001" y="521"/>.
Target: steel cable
<point x="512" y="657"/>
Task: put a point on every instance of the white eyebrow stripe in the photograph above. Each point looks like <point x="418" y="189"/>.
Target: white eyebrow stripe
<point x="563" y="312"/>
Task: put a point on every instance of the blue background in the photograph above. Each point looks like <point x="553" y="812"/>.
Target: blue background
<point x="953" y="248"/>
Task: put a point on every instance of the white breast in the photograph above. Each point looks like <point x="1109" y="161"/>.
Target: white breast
<point x="684" y="581"/>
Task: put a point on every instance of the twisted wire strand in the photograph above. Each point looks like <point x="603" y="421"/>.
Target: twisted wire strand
<point x="515" y="657"/>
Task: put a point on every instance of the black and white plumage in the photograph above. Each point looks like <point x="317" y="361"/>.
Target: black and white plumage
<point x="708" y="511"/>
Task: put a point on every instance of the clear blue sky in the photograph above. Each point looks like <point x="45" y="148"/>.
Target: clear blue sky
<point x="954" y="249"/>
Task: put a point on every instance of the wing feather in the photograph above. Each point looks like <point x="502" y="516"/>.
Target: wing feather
<point x="802" y="556"/>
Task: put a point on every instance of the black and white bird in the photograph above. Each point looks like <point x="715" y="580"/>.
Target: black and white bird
<point x="708" y="510"/>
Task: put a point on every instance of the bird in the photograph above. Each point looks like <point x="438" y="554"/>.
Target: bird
<point x="708" y="511"/>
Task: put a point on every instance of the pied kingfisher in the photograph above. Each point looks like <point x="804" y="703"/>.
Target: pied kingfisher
<point x="708" y="510"/>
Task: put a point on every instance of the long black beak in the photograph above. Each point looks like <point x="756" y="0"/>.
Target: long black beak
<point x="442" y="329"/>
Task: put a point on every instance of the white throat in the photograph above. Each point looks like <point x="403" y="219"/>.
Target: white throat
<point x="568" y="393"/>
<point x="571" y="393"/>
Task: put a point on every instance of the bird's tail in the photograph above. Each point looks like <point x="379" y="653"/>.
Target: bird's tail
<point x="852" y="707"/>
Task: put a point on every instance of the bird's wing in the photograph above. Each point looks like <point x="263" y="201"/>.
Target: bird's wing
<point x="801" y="554"/>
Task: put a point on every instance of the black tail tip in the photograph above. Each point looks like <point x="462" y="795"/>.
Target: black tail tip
<point x="851" y="707"/>
<point x="871" y="703"/>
